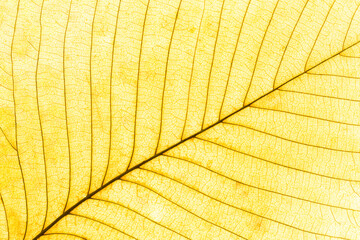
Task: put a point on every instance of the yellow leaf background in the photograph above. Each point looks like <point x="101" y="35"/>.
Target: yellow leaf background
<point x="179" y="119"/>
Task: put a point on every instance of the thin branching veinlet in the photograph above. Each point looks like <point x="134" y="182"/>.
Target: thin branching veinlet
<point x="157" y="119"/>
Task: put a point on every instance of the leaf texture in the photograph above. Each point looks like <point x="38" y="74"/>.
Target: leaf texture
<point x="179" y="119"/>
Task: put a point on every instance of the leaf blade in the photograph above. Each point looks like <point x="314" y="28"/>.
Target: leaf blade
<point x="88" y="124"/>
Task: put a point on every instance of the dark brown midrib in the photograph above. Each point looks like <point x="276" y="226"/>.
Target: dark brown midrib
<point x="177" y="144"/>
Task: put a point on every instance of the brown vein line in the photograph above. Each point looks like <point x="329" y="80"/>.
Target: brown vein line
<point x="70" y="234"/>
<point x="342" y="55"/>
<point x="137" y="83"/>
<point x="354" y="220"/>
<point x="331" y="75"/>
<point x="259" y="188"/>
<point x="115" y="203"/>
<point x="347" y="31"/>
<point x="7" y="100"/>
<point x="289" y="140"/>
<point x="177" y="144"/>
<point x="7" y="139"/>
<point x="258" y="54"/>
<point x="111" y="79"/>
<point x="36" y="49"/>
<point x="34" y="3"/>
<point x="94" y="220"/>
<point x="6" y="218"/>
<point x="307" y="116"/>
<point x="288" y="42"/>
<point x="7" y="74"/>
<point x="318" y="95"/>
<point x="38" y="112"/>
<point x="238" y="208"/>
<point x="233" y="57"/>
<point x="91" y="96"/>
<point x="354" y="191"/>
<point x="16" y="132"/>
<point x="186" y="210"/>
<point x="31" y="57"/>
<point x="165" y="77"/>
<point x="307" y="60"/>
<point x="332" y="213"/>
<point x="278" y="164"/>
<point x="65" y="104"/>
<point x="212" y="63"/>
<point x="192" y="72"/>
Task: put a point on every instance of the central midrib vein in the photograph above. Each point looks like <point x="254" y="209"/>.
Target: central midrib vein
<point x="177" y="144"/>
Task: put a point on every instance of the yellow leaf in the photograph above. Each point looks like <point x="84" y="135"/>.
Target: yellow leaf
<point x="158" y="119"/>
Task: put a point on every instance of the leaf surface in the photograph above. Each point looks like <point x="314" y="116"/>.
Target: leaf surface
<point x="179" y="119"/>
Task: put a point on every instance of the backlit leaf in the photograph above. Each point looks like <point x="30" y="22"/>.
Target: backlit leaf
<point x="158" y="119"/>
